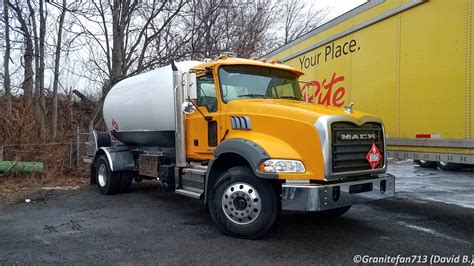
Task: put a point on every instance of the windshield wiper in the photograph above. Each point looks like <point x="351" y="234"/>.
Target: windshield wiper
<point x="290" y="97"/>
<point x="253" y="96"/>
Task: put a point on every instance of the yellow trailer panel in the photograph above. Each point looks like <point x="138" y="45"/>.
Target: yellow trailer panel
<point x="409" y="62"/>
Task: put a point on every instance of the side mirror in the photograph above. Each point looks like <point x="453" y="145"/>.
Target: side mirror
<point x="188" y="107"/>
<point x="191" y="86"/>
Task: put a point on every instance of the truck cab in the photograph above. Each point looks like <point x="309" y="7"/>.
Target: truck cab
<point x="249" y="146"/>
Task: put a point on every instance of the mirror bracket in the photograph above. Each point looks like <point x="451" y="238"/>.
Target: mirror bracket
<point x="188" y="108"/>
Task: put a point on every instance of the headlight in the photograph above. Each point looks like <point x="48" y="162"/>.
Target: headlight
<point x="282" y="166"/>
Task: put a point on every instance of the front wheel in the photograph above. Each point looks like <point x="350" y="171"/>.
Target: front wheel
<point x="243" y="205"/>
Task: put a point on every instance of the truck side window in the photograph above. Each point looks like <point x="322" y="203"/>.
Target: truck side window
<point x="206" y="93"/>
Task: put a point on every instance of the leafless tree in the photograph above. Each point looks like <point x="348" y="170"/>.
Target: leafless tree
<point x="298" y="17"/>
<point x="122" y="41"/>
<point x="6" y="59"/>
<point x="57" y="60"/>
<point x="124" y="44"/>
<point x="27" y="84"/>
<point x="100" y="42"/>
<point x="39" y="53"/>
<point x="218" y="26"/>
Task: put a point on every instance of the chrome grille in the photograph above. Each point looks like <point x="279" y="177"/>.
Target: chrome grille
<point x="351" y="143"/>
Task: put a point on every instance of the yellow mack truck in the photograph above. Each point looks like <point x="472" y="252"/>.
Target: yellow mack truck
<point x="237" y="134"/>
<point x="409" y="62"/>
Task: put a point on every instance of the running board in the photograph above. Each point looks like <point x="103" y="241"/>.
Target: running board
<point x="188" y="193"/>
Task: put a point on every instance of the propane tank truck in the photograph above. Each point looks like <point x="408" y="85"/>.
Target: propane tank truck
<point x="236" y="134"/>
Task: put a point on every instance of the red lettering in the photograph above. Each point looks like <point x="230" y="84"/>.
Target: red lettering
<point x="338" y="95"/>
<point x="323" y="92"/>
<point x="308" y="93"/>
<point x="326" y="98"/>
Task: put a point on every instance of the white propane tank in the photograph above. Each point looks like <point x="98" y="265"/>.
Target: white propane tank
<point x="140" y="110"/>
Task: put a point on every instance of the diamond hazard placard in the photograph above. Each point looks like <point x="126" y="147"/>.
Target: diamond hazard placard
<point x="373" y="156"/>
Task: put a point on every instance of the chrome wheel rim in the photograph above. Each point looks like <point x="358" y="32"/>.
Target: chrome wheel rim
<point x="102" y="175"/>
<point x="241" y="203"/>
<point x="422" y="161"/>
<point x="443" y="163"/>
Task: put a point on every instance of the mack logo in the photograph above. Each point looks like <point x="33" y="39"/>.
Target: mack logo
<point x="358" y="136"/>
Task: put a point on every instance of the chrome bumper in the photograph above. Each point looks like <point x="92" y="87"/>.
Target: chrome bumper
<point x="314" y="197"/>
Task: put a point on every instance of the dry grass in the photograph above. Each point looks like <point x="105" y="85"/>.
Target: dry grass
<point x="20" y="137"/>
<point x="21" y="142"/>
<point x="17" y="187"/>
<point x="57" y="172"/>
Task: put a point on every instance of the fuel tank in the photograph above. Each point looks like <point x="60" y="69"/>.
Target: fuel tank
<point x="140" y="110"/>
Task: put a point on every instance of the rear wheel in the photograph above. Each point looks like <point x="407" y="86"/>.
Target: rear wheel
<point x="243" y="205"/>
<point x="426" y="164"/>
<point x="110" y="182"/>
<point x="126" y="178"/>
<point x="445" y="166"/>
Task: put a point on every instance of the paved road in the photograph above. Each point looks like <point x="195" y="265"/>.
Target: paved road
<point x="147" y="226"/>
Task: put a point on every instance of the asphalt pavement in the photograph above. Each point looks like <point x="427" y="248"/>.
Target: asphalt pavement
<point x="432" y="215"/>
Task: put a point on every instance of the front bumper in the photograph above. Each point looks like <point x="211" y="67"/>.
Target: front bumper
<point x="315" y="197"/>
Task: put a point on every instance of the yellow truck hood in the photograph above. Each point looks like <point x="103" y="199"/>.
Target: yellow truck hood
<point x="297" y="110"/>
<point x="286" y="130"/>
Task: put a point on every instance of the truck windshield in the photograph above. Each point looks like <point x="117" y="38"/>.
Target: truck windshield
<point x="243" y="82"/>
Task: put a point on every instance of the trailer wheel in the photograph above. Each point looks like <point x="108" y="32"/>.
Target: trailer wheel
<point x="242" y="205"/>
<point x="426" y="164"/>
<point x="108" y="182"/>
<point x="445" y="166"/>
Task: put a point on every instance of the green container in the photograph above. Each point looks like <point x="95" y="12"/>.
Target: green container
<point x="21" y="167"/>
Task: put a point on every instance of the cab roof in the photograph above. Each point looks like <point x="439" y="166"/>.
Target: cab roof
<point x="224" y="60"/>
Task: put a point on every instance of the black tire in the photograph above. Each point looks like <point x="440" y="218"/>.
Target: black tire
<point x="126" y="178"/>
<point x="426" y="164"/>
<point x="107" y="181"/>
<point x="254" y="199"/>
<point x="445" y="166"/>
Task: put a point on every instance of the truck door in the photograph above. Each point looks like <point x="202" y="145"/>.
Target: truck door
<point x="202" y="135"/>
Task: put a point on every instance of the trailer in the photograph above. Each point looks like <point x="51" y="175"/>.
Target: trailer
<point x="237" y="135"/>
<point x="408" y="62"/>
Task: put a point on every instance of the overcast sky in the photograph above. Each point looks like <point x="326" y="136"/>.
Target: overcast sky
<point x="338" y="7"/>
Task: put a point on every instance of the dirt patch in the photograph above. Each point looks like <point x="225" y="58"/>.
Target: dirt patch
<point x="15" y="187"/>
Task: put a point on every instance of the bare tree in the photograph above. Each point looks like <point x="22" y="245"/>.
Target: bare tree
<point x="252" y="33"/>
<point x="57" y="60"/>
<point x="298" y="18"/>
<point x="6" y="60"/>
<point x="41" y="91"/>
<point x="39" y="48"/>
<point x="218" y="26"/>
<point x="100" y="42"/>
<point x="121" y="46"/>
<point x="27" y="84"/>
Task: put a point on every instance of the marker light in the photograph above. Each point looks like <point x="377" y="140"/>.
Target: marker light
<point x="282" y="166"/>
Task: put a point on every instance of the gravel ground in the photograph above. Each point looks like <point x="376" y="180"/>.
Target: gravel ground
<point x="432" y="214"/>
